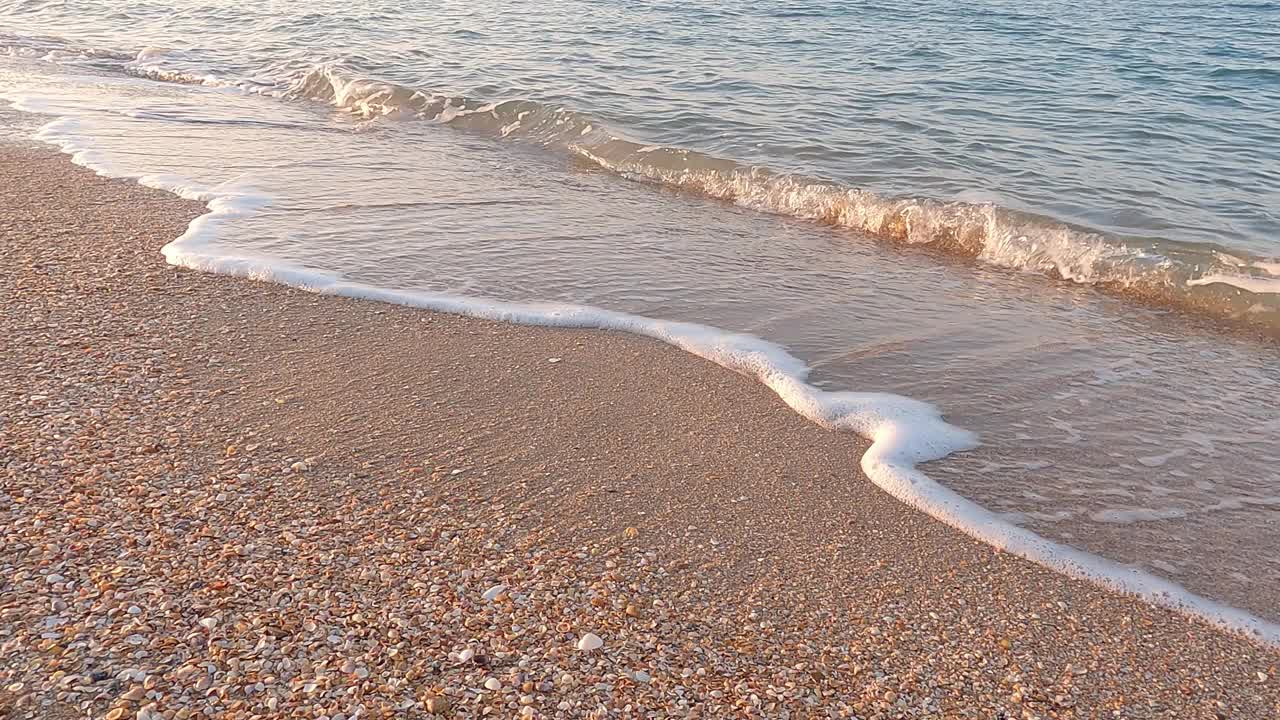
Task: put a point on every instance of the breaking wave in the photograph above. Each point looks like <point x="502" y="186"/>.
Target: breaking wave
<point x="1200" y="278"/>
<point x="1204" y="279"/>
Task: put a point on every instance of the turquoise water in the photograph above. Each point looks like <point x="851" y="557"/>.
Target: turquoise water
<point x="1056" y="222"/>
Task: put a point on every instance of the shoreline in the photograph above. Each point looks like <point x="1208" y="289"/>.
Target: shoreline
<point x="670" y="477"/>
<point x="903" y="432"/>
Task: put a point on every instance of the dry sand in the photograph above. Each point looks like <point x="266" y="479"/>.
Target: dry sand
<point x="223" y="498"/>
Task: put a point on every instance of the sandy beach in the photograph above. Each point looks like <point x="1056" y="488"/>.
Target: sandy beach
<point x="229" y="499"/>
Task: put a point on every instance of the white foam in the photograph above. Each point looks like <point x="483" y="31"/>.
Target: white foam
<point x="903" y="432"/>
<point x="1135" y="515"/>
<point x="1270" y="268"/>
<point x="1250" y="283"/>
<point x="151" y="53"/>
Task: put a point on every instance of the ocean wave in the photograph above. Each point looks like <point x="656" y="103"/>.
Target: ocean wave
<point x="1199" y="278"/>
<point x="182" y="77"/>
<point x="1189" y="276"/>
<point x="57" y="50"/>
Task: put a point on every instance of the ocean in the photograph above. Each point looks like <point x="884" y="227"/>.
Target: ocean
<point x="1029" y="249"/>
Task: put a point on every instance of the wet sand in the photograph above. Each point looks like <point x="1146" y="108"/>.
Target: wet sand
<point x="235" y="499"/>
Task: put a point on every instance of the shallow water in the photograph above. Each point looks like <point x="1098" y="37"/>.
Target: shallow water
<point x="1126" y="419"/>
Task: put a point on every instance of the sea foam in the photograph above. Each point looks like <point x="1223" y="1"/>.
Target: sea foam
<point x="1252" y="283"/>
<point x="903" y="432"/>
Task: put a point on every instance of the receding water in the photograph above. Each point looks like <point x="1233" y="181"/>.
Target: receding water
<point x="1054" y="221"/>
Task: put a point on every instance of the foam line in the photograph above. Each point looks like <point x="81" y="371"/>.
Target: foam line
<point x="903" y="432"/>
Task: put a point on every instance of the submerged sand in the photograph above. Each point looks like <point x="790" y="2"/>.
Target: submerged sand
<point x="234" y="499"/>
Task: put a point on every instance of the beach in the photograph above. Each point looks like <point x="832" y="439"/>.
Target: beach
<point x="227" y="498"/>
<point x="1101" y="338"/>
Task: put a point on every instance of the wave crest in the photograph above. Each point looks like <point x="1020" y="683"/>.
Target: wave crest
<point x="1201" y="278"/>
<point x="1184" y="275"/>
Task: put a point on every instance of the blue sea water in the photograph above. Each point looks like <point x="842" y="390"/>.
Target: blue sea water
<point x="1147" y="119"/>
<point x="1055" y="221"/>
